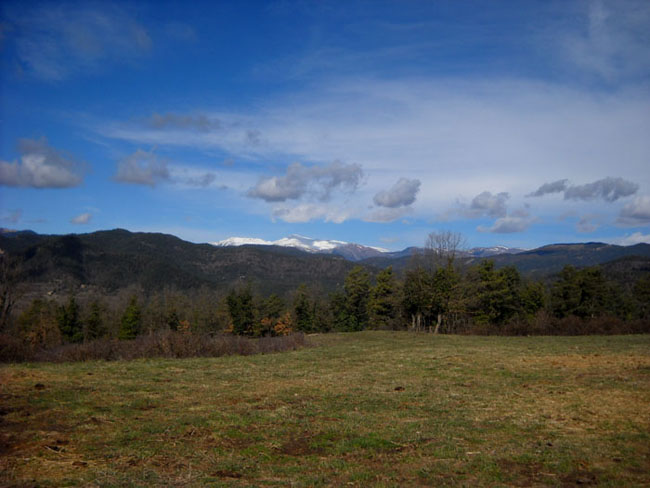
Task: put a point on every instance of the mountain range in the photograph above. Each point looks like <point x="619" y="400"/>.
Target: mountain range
<point x="352" y="251"/>
<point x="114" y="260"/>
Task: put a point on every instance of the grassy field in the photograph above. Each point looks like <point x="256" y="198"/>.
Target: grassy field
<point x="366" y="409"/>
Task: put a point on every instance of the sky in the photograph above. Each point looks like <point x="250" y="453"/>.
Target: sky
<point x="516" y="123"/>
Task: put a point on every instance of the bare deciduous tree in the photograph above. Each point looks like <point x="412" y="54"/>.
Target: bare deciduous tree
<point x="441" y="249"/>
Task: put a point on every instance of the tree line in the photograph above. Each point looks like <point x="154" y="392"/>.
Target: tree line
<point x="438" y="292"/>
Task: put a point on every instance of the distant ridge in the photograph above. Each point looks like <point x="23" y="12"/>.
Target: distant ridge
<point x="349" y="250"/>
<point x="114" y="260"/>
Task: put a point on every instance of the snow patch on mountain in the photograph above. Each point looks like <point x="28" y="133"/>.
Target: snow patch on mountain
<point x="345" y="249"/>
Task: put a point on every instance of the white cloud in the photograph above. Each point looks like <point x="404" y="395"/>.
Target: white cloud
<point x="636" y="213"/>
<point x="82" y="219"/>
<point x="314" y="180"/>
<point x="400" y="194"/>
<point x="632" y="239"/>
<point x="142" y="168"/>
<point x="40" y="166"/>
<point x="613" y="43"/>
<point x="456" y="137"/>
<point x="306" y="212"/>
<point x="487" y="204"/>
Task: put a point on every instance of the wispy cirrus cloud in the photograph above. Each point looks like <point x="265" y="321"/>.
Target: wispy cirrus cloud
<point x="611" y="42"/>
<point x="306" y="212"/>
<point x="172" y="120"/>
<point x="41" y="166"/>
<point x="56" y="40"/>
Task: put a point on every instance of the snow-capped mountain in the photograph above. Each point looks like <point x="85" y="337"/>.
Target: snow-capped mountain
<point x="354" y="252"/>
<point x="484" y="252"/>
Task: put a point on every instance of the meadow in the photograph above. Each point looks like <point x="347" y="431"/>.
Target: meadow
<point x="354" y="409"/>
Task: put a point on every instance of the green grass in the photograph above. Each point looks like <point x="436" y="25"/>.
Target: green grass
<point x="365" y="409"/>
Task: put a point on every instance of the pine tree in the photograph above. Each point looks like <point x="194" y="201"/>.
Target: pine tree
<point x="94" y="323"/>
<point x="383" y="300"/>
<point x="303" y="310"/>
<point x="357" y="292"/>
<point x="241" y="311"/>
<point x="69" y="322"/>
<point x="131" y="322"/>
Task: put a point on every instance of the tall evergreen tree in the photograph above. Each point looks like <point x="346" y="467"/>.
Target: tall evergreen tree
<point x="383" y="303"/>
<point x="69" y="322"/>
<point x="303" y="310"/>
<point x="131" y="322"/>
<point x="357" y="292"/>
<point x="242" y="311"/>
<point x="95" y="322"/>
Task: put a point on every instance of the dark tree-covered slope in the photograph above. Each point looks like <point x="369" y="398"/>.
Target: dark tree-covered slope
<point x="115" y="259"/>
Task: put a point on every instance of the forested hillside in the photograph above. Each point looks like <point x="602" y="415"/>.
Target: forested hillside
<point x="118" y="284"/>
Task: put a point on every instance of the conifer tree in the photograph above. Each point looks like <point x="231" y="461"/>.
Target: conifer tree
<point x="69" y="322"/>
<point x="383" y="300"/>
<point x="357" y="292"/>
<point x="131" y="322"/>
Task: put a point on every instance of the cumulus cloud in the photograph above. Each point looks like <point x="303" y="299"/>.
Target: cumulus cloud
<point x="507" y="225"/>
<point x="555" y="187"/>
<point x="81" y="219"/>
<point x="488" y="204"/>
<point x="300" y="180"/>
<point x="40" y="166"/>
<point x="56" y="40"/>
<point x="401" y="194"/>
<point x="169" y="120"/>
<point x="142" y="168"/>
<point x="609" y="189"/>
<point x="636" y="213"/>
<point x="308" y="211"/>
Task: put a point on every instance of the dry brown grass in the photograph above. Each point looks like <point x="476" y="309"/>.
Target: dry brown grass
<point x="369" y="409"/>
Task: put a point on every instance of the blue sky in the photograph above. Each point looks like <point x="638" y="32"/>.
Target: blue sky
<point x="514" y="123"/>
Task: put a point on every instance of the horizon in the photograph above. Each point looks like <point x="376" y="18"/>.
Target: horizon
<point x="4" y="230"/>
<point x="367" y="122"/>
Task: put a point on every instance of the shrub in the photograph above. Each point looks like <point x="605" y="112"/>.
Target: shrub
<point x="163" y="344"/>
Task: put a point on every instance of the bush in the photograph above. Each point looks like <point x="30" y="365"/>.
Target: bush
<point x="164" y="344"/>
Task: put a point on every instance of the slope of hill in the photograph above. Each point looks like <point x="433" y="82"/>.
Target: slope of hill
<point x="550" y="259"/>
<point x="110" y="260"/>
